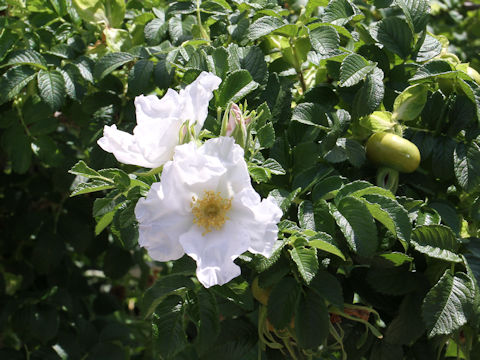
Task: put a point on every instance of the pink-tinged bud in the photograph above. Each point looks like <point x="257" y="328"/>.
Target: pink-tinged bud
<point x="235" y="116"/>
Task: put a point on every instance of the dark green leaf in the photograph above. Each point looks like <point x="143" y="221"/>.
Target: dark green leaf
<point x="325" y="40"/>
<point x="357" y="225"/>
<point x="139" y="77"/>
<point x="52" y="88"/>
<point x="26" y="57"/>
<point x="282" y="302"/>
<point x="311" y="320"/>
<point x="448" y="305"/>
<point x="327" y="286"/>
<point x="433" y="69"/>
<point x="370" y="96"/>
<point x="395" y="34"/>
<point x="13" y="81"/>
<point x="164" y="286"/>
<point x="209" y="324"/>
<point x="266" y="135"/>
<point x="264" y="26"/>
<point x="436" y="241"/>
<point x="354" y="68"/>
<point x="167" y="327"/>
<point x="306" y="261"/>
<point x="110" y="62"/>
<point x="416" y="13"/>
<point x="467" y="166"/>
<point x="235" y="87"/>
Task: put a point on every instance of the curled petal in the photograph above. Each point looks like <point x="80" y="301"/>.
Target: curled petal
<point x="124" y="147"/>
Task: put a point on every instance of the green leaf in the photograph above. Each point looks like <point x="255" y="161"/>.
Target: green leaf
<point x="167" y="327"/>
<point x="437" y="241"/>
<point x="91" y="186"/>
<point x="7" y="40"/>
<point x="370" y="95"/>
<point x="208" y="319"/>
<point x="82" y="169"/>
<point x="305" y="215"/>
<point x="155" y="31"/>
<point x="52" y="88"/>
<point x="357" y="225"/>
<point x="166" y="285"/>
<point x="13" y="81"/>
<point x="73" y="89"/>
<point x="26" y="57"/>
<point x="312" y="320"/>
<point x="282" y="302"/>
<point x="306" y="261"/>
<point x="433" y="69"/>
<point x="110" y="62"/>
<point x="340" y="12"/>
<point x="407" y="326"/>
<point x="395" y="34"/>
<point x="328" y="286"/>
<point x="378" y="121"/>
<point x="309" y="114"/>
<point x="139" y="77"/>
<point x="347" y="149"/>
<point x="115" y="12"/>
<point x="264" y="26"/>
<point x="410" y="103"/>
<point x="235" y="87"/>
<point x="391" y="214"/>
<point x="354" y="68"/>
<point x="467" y="166"/>
<point x="325" y="40"/>
<point x="18" y="147"/>
<point x="323" y="241"/>
<point x="266" y="135"/>
<point x="448" y="305"/>
<point x="416" y="13"/>
<point x="283" y="198"/>
<point x="430" y="48"/>
<point x="392" y="281"/>
<point x="109" y="12"/>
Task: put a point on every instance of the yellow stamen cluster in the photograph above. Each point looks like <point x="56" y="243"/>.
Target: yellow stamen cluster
<point x="210" y="211"/>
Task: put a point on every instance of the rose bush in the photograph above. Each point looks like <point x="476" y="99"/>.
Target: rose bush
<point x="160" y="157"/>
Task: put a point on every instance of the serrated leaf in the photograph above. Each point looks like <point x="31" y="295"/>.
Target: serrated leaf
<point x="432" y="69"/>
<point x="437" y="241"/>
<point x="139" y="77"/>
<point x="391" y="214"/>
<point x="347" y="149"/>
<point x="74" y="90"/>
<point x="209" y="324"/>
<point x="323" y="241"/>
<point x="416" y="13"/>
<point x="407" y="326"/>
<point x="155" y="31"/>
<point x="395" y="34"/>
<point x="80" y="168"/>
<point x="467" y="166"/>
<point x="264" y="26"/>
<point x="13" y="81"/>
<point x="448" y="305"/>
<point x="274" y="166"/>
<point x="91" y="186"/>
<point x="110" y="62"/>
<point x="236" y="86"/>
<point x="163" y="287"/>
<point x="340" y="12"/>
<point x="26" y="57"/>
<point x="378" y="121"/>
<point x="306" y="261"/>
<point x="430" y="48"/>
<point x="309" y="114"/>
<point x="85" y="66"/>
<point x="370" y="95"/>
<point x="52" y="88"/>
<point x="312" y="320"/>
<point x="167" y="327"/>
<point x="282" y="302"/>
<point x="325" y="40"/>
<point x="354" y="68"/>
<point x="357" y="225"/>
<point x="266" y="135"/>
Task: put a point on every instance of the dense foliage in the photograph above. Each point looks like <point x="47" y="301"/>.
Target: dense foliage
<point x="375" y="258"/>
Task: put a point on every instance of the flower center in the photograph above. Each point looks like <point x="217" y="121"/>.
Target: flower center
<point x="210" y="211"/>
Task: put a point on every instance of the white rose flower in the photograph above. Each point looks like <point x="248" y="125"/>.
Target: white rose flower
<point x="159" y="122"/>
<point x="205" y="206"/>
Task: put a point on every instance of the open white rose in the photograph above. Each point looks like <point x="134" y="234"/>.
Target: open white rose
<point x="159" y="122"/>
<point x="206" y="207"/>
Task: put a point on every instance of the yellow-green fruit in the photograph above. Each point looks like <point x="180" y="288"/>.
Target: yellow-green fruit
<point x="393" y="151"/>
<point x="260" y="293"/>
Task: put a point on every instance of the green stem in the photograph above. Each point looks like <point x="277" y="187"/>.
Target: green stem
<point x="199" y="20"/>
<point x="298" y="65"/>
<point x="154" y="171"/>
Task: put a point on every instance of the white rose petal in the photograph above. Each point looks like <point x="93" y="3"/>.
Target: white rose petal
<point x="159" y="122"/>
<point x="206" y="207"/>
